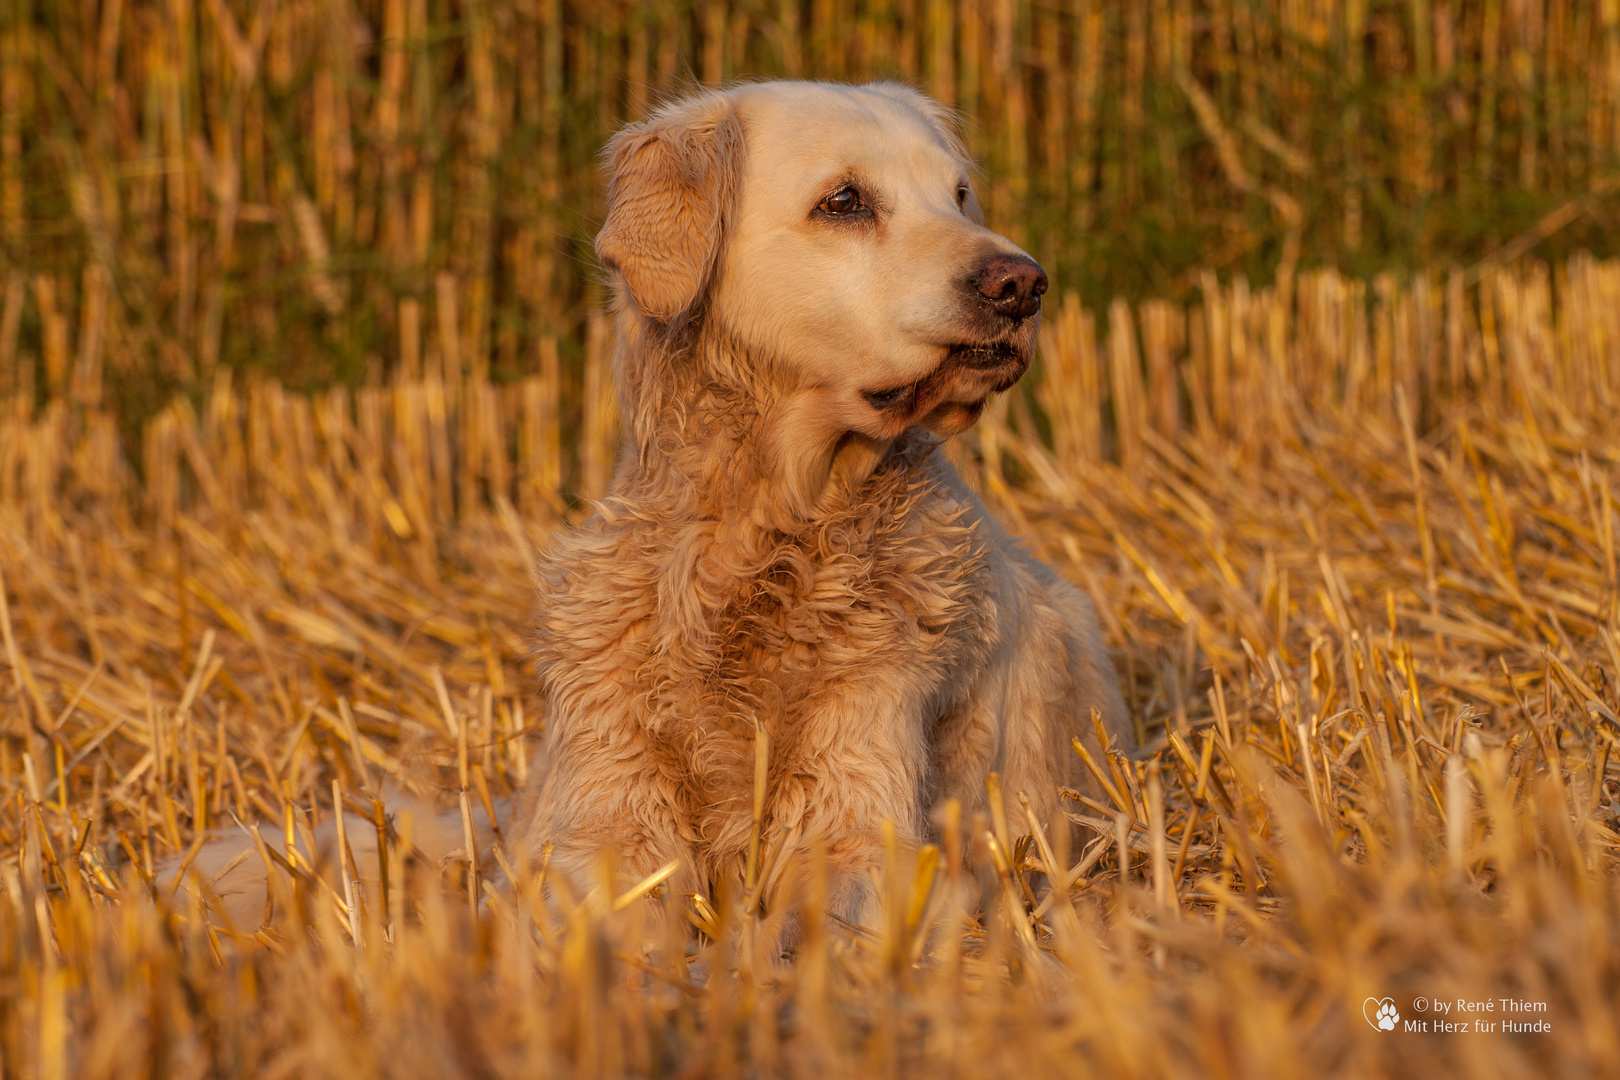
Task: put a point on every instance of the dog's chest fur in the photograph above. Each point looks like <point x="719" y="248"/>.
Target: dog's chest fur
<point x="702" y="626"/>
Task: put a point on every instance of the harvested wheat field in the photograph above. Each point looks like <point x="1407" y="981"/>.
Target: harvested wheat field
<point x="1356" y="553"/>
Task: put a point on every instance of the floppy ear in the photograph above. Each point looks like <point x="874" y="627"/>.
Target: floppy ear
<point x="671" y="184"/>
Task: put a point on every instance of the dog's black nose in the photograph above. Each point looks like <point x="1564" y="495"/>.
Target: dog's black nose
<point x="1011" y="285"/>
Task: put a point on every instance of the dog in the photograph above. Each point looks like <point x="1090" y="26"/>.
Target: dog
<point x="807" y="304"/>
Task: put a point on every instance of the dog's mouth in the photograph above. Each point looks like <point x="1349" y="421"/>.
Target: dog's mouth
<point x="950" y="397"/>
<point x="891" y="399"/>
<point x="970" y="371"/>
<point x="987" y="356"/>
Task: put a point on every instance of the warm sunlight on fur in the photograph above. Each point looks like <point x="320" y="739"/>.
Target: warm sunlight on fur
<point x="803" y="292"/>
<point x="502" y="568"/>
<point x="785" y="559"/>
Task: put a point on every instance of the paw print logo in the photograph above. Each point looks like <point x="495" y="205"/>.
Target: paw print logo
<point x="1381" y="1013"/>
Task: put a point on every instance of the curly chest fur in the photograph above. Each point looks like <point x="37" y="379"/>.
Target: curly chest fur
<point x="703" y="627"/>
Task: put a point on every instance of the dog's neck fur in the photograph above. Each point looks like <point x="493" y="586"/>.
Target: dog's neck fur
<point x="721" y="433"/>
<point x="685" y="606"/>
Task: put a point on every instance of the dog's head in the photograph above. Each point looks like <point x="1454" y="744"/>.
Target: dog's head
<point x="832" y="232"/>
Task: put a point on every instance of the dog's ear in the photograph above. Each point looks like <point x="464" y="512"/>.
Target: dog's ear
<point x="671" y="186"/>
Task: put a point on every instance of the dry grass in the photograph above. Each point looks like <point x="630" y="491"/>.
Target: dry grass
<point x="1358" y="562"/>
<point x="289" y="185"/>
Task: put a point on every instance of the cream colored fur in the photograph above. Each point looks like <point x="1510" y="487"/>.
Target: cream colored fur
<point x="773" y="549"/>
<point x="777" y="551"/>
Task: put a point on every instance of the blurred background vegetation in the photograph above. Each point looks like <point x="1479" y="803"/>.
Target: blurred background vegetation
<point x="343" y="190"/>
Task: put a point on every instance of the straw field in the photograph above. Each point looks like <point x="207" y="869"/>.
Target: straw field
<point x="332" y="189"/>
<point x="1355" y="549"/>
<point x="302" y="357"/>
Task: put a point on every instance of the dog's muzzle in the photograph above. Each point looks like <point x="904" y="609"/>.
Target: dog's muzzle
<point x="1010" y="286"/>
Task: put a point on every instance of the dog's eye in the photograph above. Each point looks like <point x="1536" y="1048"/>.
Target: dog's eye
<point x="843" y="201"/>
<point x="962" y="197"/>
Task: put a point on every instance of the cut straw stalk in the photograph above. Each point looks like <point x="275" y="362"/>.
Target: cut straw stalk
<point x="346" y="865"/>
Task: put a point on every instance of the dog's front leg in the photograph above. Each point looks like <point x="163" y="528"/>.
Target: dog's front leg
<point x="862" y="762"/>
<point x="602" y="791"/>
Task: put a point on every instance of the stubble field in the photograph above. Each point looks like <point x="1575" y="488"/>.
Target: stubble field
<point x="1356" y="556"/>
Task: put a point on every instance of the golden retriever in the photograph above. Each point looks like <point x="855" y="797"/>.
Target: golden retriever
<point x="806" y="306"/>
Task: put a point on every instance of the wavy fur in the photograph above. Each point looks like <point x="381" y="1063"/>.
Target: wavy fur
<point x="777" y="552"/>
